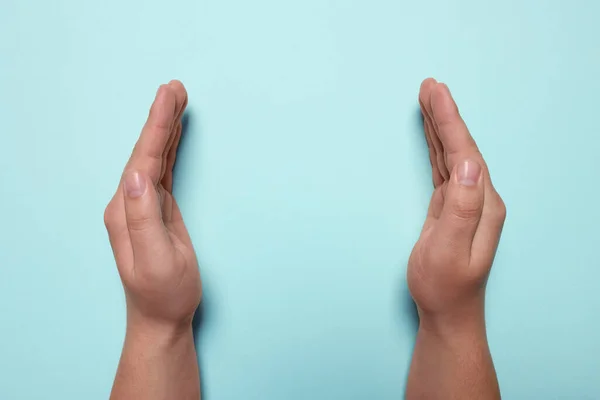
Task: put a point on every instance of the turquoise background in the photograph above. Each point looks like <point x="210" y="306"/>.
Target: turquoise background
<point x="303" y="179"/>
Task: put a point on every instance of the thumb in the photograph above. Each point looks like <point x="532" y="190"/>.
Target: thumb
<point x="144" y="218"/>
<point x="463" y="205"/>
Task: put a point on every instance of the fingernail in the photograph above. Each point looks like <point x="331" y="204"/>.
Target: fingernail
<point x="135" y="185"/>
<point x="468" y="173"/>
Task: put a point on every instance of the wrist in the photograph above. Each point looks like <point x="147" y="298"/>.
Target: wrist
<point x="156" y="331"/>
<point x="467" y="319"/>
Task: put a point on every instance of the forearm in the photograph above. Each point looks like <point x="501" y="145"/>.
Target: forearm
<point x="452" y="361"/>
<point x="157" y="364"/>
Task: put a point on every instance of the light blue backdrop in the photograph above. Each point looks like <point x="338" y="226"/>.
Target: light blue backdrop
<point x="303" y="179"/>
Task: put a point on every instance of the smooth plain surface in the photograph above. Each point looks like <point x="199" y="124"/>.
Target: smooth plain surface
<point x="303" y="179"/>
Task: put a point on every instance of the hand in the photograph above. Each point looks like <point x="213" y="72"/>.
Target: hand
<point x="450" y="263"/>
<point x="151" y="245"/>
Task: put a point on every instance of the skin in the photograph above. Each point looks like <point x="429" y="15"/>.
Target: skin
<point x="450" y="263"/>
<point x="447" y="270"/>
<point x="156" y="262"/>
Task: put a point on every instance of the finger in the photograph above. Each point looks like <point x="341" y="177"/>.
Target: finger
<point x="437" y="202"/>
<point x="143" y="216"/>
<point x="167" y="180"/>
<point x="147" y="155"/>
<point x="463" y="206"/>
<point x="490" y="227"/>
<point x="437" y="177"/>
<point x="177" y="225"/>
<point x="425" y="96"/>
<point x="456" y="138"/>
<point x="166" y="204"/>
<point x="181" y="95"/>
<point x="116" y="226"/>
<point x="452" y="131"/>
<point x="171" y="157"/>
<point x="435" y="171"/>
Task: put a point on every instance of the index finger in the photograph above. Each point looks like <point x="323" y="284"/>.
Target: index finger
<point x="148" y="153"/>
<point x="452" y="130"/>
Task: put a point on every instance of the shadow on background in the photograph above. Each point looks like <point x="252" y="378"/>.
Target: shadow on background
<point x="200" y="316"/>
<point x="408" y="308"/>
<point x="197" y="323"/>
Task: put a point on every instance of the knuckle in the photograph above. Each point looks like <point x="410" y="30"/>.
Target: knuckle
<point x="499" y="208"/>
<point x="466" y="209"/>
<point x="475" y="275"/>
<point x="110" y="217"/>
<point x="163" y="89"/>
<point x="139" y="223"/>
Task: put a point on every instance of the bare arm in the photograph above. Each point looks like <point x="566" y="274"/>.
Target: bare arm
<point x="452" y="362"/>
<point x="451" y="261"/>
<point x="157" y="363"/>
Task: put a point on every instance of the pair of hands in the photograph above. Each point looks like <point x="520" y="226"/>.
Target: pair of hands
<point x="447" y="269"/>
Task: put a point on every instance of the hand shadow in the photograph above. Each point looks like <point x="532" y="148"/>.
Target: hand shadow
<point x="190" y="133"/>
<point x="197" y="324"/>
<point x="408" y="308"/>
